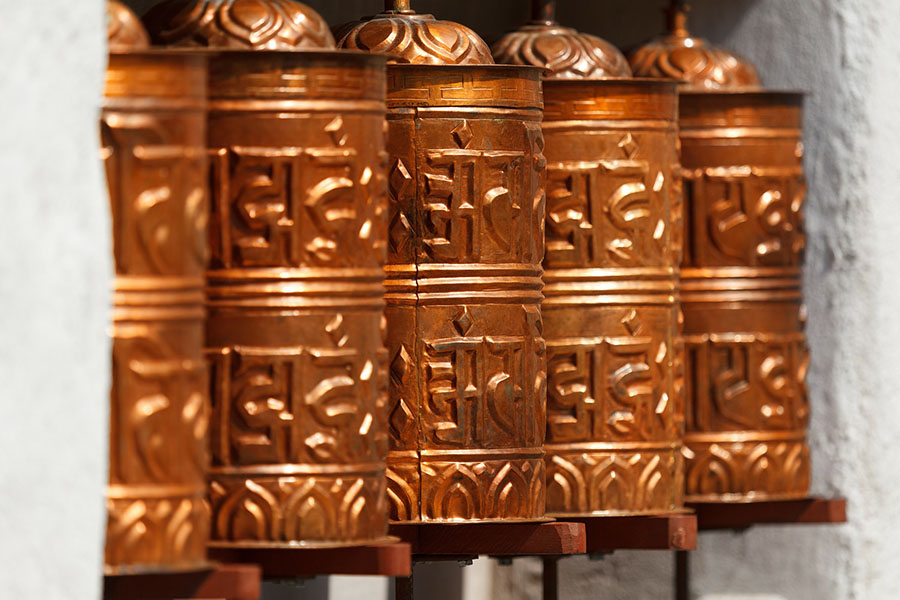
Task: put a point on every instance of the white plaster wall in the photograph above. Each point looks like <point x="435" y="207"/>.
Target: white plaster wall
<point x="55" y="269"/>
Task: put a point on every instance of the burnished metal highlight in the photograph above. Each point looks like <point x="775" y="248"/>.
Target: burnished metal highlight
<point x="238" y="24"/>
<point x="693" y="61"/>
<point x="417" y="39"/>
<point x="746" y="357"/>
<point x="563" y="51"/>
<point x="296" y="298"/>
<point x="465" y="244"/>
<point x="746" y="352"/>
<point x="614" y="403"/>
<point x="153" y="137"/>
<point x="296" y="329"/>
<point x="614" y="420"/>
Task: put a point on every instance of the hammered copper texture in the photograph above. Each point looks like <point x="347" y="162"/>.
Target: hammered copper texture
<point x="152" y="127"/>
<point x="240" y="24"/>
<point x="746" y="353"/>
<point x="692" y="61"/>
<point x="610" y="313"/>
<point x="564" y="52"/>
<point x="465" y="339"/>
<point x="296" y="332"/>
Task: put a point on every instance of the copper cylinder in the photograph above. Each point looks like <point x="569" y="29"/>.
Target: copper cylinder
<point x="746" y="361"/>
<point x="747" y="356"/>
<point x="614" y="402"/>
<point x="464" y="277"/>
<point x="296" y="297"/>
<point x="296" y="329"/>
<point x="153" y="137"/>
<point x="610" y="313"/>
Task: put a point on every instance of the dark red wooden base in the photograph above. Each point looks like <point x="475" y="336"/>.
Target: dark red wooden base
<point x="228" y="582"/>
<point x="389" y="559"/>
<point x="460" y="540"/>
<point x="711" y="515"/>
<point x="677" y="531"/>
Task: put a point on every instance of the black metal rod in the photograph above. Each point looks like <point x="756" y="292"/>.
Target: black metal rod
<point x="551" y="578"/>
<point x="682" y="575"/>
<point x="543" y="11"/>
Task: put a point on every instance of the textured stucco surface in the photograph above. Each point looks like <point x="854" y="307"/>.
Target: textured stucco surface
<point x="55" y="268"/>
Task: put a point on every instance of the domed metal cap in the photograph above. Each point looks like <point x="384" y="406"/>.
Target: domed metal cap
<point x="565" y="52"/>
<point x="124" y="30"/>
<point x="691" y="60"/>
<point x="416" y="39"/>
<point x="253" y="24"/>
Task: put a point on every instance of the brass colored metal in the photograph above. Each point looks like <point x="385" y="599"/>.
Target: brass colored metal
<point x="741" y="277"/>
<point x="614" y="411"/>
<point x="296" y="297"/>
<point x="467" y="373"/>
<point x="614" y="420"/>
<point x="239" y="24"/>
<point x="124" y="31"/>
<point x="153" y="129"/>
<point x="565" y="52"/>
<point x="296" y="329"/>
<point x="746" y="355"/>
<point x="692" y="61"/>
<point x="415" y="39"/>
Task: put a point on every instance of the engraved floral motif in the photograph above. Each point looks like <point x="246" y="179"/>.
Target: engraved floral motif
<point x="563" y="51"/>
<point x="692" y="61"/>
<point x="418" y="39"/>
<point x="257" y="24"/>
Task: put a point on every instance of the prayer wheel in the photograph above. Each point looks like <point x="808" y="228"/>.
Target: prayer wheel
<point x="153" y="128"/>
<point x="746" y="361"/>
<point x="467" y="371"/>
<point x="296" y="330"/>
<point x="614" y="416"/>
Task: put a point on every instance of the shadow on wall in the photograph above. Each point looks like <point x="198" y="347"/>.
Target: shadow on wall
<point x="626" y="23"/>
<point x="434" y="581"/>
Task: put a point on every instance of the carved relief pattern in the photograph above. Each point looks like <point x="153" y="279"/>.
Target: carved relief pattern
<point x="468" y="382"/>
<point x="746" y="357"/>
<point x="417" y="39"/>
<point x="610" y="312"/>
<point x="747" y="382"/>
<point x="699" y="65"/>
<point x="159" y="409"/>
<point x="692" y="61"/>
<point x="563" y="51"/>
<point x="246" y="24"/>
<point x="614" y="482"/>
<point x="612" y="388"/>
<point x="601" y="213"/>
<point x="745" y="217"/>
<point x="295" y="207"/>
<point x="296" y="336"/>
<point x="748" y="470"/>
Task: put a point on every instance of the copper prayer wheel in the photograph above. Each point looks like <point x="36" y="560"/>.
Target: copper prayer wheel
<point x="296" y="330"/>
<point x="614" y="421"/>
<point x="153" y="129"/>
<point x="746" y="361"/>
<point x="467" y="375"/>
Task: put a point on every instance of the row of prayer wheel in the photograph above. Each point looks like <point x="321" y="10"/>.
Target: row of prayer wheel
<point x="402" y="280"/>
